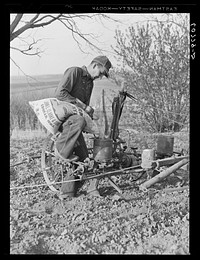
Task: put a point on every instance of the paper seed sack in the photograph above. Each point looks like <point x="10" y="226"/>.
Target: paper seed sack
<point x="52" y="113"/>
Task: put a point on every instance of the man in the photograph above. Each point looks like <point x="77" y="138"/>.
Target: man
<point x="76" y="87"/>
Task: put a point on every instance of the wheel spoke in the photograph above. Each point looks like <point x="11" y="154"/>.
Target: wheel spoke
<point x="49" y="153"/>
<point x="54" y="171"/>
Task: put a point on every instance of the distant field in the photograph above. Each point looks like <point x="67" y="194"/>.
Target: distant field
<point x="25" y="89"/>
<point x="36" y="84"/>
<point x="37" y="78"/>
<point x="21" y="84"/>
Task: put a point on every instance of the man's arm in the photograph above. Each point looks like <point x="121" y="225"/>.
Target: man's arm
<point x="65" y="86"/>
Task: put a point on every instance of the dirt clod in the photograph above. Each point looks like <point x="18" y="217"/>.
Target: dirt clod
<point x="131" y="223"/>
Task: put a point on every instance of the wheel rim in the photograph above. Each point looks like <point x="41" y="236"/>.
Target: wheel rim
<point x="53" y="171"/>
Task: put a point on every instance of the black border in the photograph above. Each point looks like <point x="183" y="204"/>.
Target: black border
<point x="99" y="8"/>
<point x="46" y="7"/>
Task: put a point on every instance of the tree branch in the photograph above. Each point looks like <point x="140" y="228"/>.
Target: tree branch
<point x="80" y="35"/>
<point x="30" y="47"/>
<point x="27" y="76"/>
<point x="20" y="31"/>
<point x="32" y="24"/>
<point x="15" y="22"/>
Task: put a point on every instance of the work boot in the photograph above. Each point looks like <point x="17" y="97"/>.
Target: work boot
<point x="92" y="190"/>
<point x="68" y="189"/>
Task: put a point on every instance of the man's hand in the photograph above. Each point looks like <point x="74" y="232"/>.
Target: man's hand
<point x="90" y="111"/>
<point x="80" y="104"/>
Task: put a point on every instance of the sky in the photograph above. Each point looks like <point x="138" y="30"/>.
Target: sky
<point x="60" y="50"/>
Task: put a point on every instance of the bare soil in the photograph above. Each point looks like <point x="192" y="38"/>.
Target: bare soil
<point x="137" y="223"/>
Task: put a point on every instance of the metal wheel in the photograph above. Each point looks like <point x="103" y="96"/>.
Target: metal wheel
<point x="54" y="170"/>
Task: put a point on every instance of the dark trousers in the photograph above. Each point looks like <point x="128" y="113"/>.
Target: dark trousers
<point x="71" y="138"/>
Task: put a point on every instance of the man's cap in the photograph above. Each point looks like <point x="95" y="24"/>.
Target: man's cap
<point x="104" y="61"/>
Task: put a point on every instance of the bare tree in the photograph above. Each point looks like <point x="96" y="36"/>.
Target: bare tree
<point x="23" y="23"/>
<point x="70" y="21"/>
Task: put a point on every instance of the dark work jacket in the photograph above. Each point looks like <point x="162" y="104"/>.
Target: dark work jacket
<point x="76" y="83"/>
